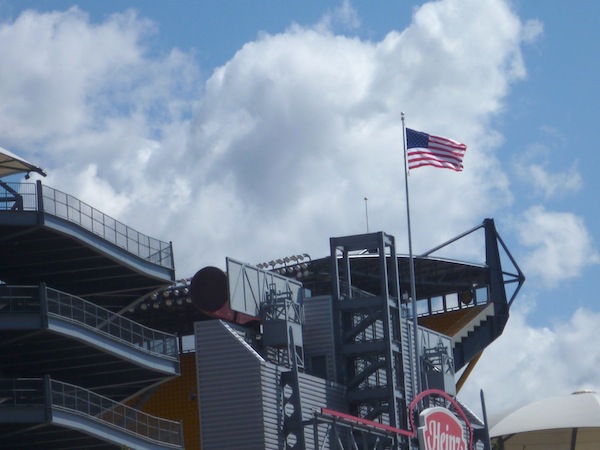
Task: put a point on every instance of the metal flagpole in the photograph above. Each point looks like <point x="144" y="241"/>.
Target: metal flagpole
<point x="367" y="214"/>
<point x="411" y="264"/>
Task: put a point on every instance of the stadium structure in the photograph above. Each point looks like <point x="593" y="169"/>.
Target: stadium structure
<point x="70" y="362"/>
<point x="103" y="348"/>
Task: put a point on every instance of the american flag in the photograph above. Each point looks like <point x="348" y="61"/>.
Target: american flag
<point x="428" y="150"/>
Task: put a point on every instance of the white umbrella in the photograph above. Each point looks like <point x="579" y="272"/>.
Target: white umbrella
<point x="569" y="422"/>
<point x="11" y="164"/>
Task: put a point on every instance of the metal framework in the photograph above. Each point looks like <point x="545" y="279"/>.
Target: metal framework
<point x="68" y="358"/>
<point x="367" y="337"/>
<point x="361" y="301"/>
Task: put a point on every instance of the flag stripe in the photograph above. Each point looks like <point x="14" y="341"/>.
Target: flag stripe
<point x="438" y="153"/>
<point x="427" y="150"/>
<point x="423" y="155"/>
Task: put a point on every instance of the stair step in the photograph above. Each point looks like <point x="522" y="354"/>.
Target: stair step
<point x="484" y="315"/>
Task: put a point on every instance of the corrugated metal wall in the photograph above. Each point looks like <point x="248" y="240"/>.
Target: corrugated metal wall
<point x="229" y="390"/>
<point x="240" y="394"/>
<point x="317" y="393"/>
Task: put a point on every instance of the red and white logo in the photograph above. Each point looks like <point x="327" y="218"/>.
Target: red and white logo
<point x="440" y="430"/>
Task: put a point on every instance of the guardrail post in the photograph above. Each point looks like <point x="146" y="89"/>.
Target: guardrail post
<point x="39" y="196"/>
<point x="180" y="434"/>
<point x="43" y="304"/>
<point x="48" y="397"/>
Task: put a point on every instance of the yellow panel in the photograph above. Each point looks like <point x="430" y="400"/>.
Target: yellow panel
<point x="177" y="399"/>
<point x="451" y="322"/>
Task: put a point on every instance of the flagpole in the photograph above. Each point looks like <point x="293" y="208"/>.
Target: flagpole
<point x="367" y="213"/>
<point x="411" y="264"/>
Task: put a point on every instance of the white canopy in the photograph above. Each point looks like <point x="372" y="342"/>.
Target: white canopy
<point x="11" y="164"/>
<point x="564" y="422"/>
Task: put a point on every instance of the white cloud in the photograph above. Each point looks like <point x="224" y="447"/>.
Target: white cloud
<point x="532" y="31"/>
<point x="554" y="184"/>
<point x="275" y="152"/>
<point x="533" y="167"/>
<point x="558" y="244"/>
<point x="344" y="15"/>
<point x="528" y="363"/>
<point x="76" y="92"/>
<point x="308" y="118"/>
<point x="54" y="63"/>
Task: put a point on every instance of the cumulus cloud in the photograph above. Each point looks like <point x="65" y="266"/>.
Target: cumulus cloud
<point x="306" y="134"/>
<point x="535" y="362"/>
<point x="534" y="168"/>
<point x="555" y="184"/>
<point x="559" y="247"/>
<point x="91" y="96"/>
<point x="344" y="15"/>
<point x="274" y="153"/>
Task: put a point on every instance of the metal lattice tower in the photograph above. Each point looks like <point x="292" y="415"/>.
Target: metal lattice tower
<point x="282" y="319"/>
<point x="282" y="338"/>
<point x="368" y="333"/>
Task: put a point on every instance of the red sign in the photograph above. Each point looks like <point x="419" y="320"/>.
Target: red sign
<point x="440" y="430"/>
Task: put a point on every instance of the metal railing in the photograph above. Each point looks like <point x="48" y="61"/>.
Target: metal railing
<point x="40" y="299"/>
<point x="35" y="197"/>
<point x="452" y="302"/>
<point x="22" y="392"/>
<point x="32" y="392"/>
<point x="84" y="402"/>
<point x="429" y="339"/>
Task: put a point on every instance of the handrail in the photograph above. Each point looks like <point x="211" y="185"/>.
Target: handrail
<point x="451" y="302"/>
<point x="35" y="197"/>
<point x="29" y="299"/>
<point x="73" y="398"/>
<point x="67" y="397"/>
<point x="22" y="391"/>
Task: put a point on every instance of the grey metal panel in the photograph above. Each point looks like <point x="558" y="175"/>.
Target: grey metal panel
<point x="229" y="389"/>
<point x="241" y="393"/>
<point x="271" y="408"/>
<point x="318" y="331"/>
<point x="315" y="394"/>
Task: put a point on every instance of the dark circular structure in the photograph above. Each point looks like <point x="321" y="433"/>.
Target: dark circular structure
<point x="208" y="289"/>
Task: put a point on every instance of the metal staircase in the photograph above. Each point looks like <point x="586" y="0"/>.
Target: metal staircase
<point x="409" y="358"/>
<point x="68" y="358"/>
<point x="477" y="321"/>
<point x="369" y="347"/>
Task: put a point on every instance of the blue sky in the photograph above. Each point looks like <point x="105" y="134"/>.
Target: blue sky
<point x="255" y="129"/>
